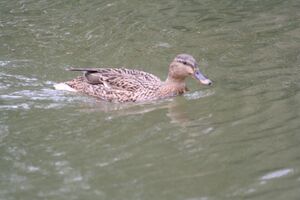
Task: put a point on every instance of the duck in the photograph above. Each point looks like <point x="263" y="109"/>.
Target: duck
<point x="131" y="85"/>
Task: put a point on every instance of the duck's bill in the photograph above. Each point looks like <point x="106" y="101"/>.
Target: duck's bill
<point x="203" y="79"/>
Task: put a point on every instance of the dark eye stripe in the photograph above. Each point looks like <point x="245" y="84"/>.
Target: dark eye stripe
<point x="187" y="63"/>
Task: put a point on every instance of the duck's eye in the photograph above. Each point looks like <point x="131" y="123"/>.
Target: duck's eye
<point x="184" y="62"/>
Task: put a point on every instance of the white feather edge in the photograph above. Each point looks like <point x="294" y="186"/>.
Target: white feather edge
<point x="63" y="86"/>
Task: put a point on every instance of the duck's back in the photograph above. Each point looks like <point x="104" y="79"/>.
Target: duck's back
<point x="116" y="84"/>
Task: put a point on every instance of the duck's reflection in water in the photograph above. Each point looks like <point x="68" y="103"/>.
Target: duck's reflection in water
<point x="176" y="108"/>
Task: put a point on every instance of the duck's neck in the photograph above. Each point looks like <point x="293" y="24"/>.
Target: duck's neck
<point x="172" y="86"/>
<point x="174" y="81"/>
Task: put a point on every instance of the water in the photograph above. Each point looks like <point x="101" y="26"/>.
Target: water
<point x="236" y="140"/>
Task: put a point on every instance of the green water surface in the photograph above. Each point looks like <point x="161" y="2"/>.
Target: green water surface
<point x="239" y="139"/>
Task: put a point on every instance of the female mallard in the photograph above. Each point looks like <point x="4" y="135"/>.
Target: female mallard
<point x="130" y="85"/>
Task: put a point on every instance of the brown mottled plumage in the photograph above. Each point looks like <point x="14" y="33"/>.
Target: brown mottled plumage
<point x="130" y="85"/>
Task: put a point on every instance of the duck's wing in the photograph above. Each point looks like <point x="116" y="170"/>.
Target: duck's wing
<point x="120" y="78"/>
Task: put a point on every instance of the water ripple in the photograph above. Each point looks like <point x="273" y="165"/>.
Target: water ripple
<point x="276" y="174"/>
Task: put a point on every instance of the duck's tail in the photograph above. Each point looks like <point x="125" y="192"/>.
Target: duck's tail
<point x="63" y="86"/>
<point x="83" y="69"/>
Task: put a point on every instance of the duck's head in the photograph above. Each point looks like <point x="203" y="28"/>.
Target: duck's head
<point x="185" y="65"/>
